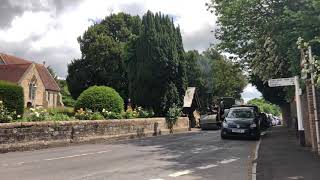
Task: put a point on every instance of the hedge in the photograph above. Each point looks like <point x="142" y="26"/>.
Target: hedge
<point x="97" y="98"/>
<point x="12" y="97"/>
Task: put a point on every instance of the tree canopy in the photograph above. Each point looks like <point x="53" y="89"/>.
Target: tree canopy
<point x="156" y="68"/>
<point x="265" y="106"/>
<point x="102" y="47"/>
<point x="263" y="34"/>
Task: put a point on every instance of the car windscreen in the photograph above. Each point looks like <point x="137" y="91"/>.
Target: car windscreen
<point x="240" y="113"/>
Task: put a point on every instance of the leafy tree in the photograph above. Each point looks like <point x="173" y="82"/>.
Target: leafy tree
<point x="212" y="73"/>
<point x="228" y="79"/>
<point x="53" y="73"/>
<point x="265" y="106"/>
<point x="66" y="96"/>
<point x="102" y="62"/>
<point x="263" y="34"/>
<point x="156" y="67"/>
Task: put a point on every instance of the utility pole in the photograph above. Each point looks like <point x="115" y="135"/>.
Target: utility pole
<point x="314" y="97"/>
<point x="299" y="111"/>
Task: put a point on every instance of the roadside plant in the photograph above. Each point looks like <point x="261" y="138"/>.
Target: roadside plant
<point x="5" y="115"/>
<point x="173" y="114"/>
<point x="38" y="114"/>
<point x="82" y="114"/>
<point x="111" y="115"/>
<point x="59" y="117"/>
<point x="142" y="113"/>
<point x="96" y="116"/>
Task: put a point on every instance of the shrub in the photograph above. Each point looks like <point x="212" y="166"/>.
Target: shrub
<point x="59" y="117"/>
<point x="12" y="97"/>
<point x="173" y="114"/>
<point x="38" y="114"/>
<point x="144" y="113"/>
<point x="96" y="116"/>
<point x="82" y="114"/>
<point x="5" y="115"/>
<point x="98" y="98"/>
<point x="111" y="115"/>
<point x="61" y="110"/>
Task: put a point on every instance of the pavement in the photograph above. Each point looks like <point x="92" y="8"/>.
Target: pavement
<point x="188" y="156"/>
<point x="280" y="157"/>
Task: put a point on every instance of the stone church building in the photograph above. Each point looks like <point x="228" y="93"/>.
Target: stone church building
<point x="40" y="88"/>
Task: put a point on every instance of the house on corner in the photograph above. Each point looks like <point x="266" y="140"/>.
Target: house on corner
<point x="40" y="88"/>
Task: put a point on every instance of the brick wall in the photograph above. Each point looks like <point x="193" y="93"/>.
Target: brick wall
<point x="311" y="116"/>
<point x="35" y="135"/>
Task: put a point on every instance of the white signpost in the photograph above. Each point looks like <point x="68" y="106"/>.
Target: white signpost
<point x="281" y="82"/>
<point x="290" y="82"/>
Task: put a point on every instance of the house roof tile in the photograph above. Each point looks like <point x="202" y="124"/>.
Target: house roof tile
<point x="15" y="67"/>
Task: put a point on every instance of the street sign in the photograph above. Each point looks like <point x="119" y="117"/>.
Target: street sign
<point x="281" y="82"/>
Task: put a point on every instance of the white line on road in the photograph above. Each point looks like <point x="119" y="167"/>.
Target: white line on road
<point x="226" y="161"/>
<point x="77" y="155"/>
<point x="254" y="165"/>
<point x="180" y="173"/>
<point x="207" y="167"/>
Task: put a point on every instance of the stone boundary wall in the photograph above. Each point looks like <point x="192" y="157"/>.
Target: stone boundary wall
<point x="37" y="135"/>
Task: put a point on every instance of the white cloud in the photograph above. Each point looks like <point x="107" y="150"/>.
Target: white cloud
<point x="250" y="92"/>
<point x="49" y="30"/>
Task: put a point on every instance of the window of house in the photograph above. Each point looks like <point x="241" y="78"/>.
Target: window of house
<point x="32" y="89"/>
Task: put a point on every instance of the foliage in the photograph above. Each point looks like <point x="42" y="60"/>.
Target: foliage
<point x="228" y="79"/>
<point x="82" y="114"/>
<point x="61" y="110"/>
<point x="156" y="66"/>
<point x="265" y="106"/>
<point x="12" y="97"/>
<point x="38" y="114"/>
<point x="208" y="72"/>
<point x="102" y="62"/>
<point x="111" y="115"/>
<point x="130" y="114"/>
<point x="67" y="99"/>
<point x="53" y="74"/>
<point x="263" y="35"/>
<point x="5" y="115"/>
<point x="98" y="98"/>
<point x="96" y="116"/>
<point x="172" y="116"/>
<point x="59" y="117"/>
<point x="142" y="113"/>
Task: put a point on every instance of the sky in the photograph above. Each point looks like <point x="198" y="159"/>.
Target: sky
<point x="47" y="30"/>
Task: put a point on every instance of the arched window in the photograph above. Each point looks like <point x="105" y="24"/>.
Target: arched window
<point x="32" y="88"/>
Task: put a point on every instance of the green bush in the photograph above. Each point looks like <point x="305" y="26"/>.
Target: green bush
<point x="12" y="97"/>
<point x="5" y="115"/>
<point x="61" y="110"/>
<point x="96" y="116"/>
<point x="37" y="114"/>
<point x="59" y="117"/>
<point x="173" y="114"/>
<point x="98" y="98"/>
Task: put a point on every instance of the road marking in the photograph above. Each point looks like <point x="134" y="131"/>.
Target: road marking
<point x="155" y="179"/>
<point x="180" y="173"/>
<point x="296" y="177"/>
<point x="207" y="167"/>
<point x="254" y="165"/>
<point x="77" y="155"/>
<point x="226" y="161"/>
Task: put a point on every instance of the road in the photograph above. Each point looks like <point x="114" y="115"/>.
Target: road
<point x="196" y="155"/>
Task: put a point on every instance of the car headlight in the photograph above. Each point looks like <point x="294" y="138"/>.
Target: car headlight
<point x="253" y="125"/>
<point x="224" y="124"/>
